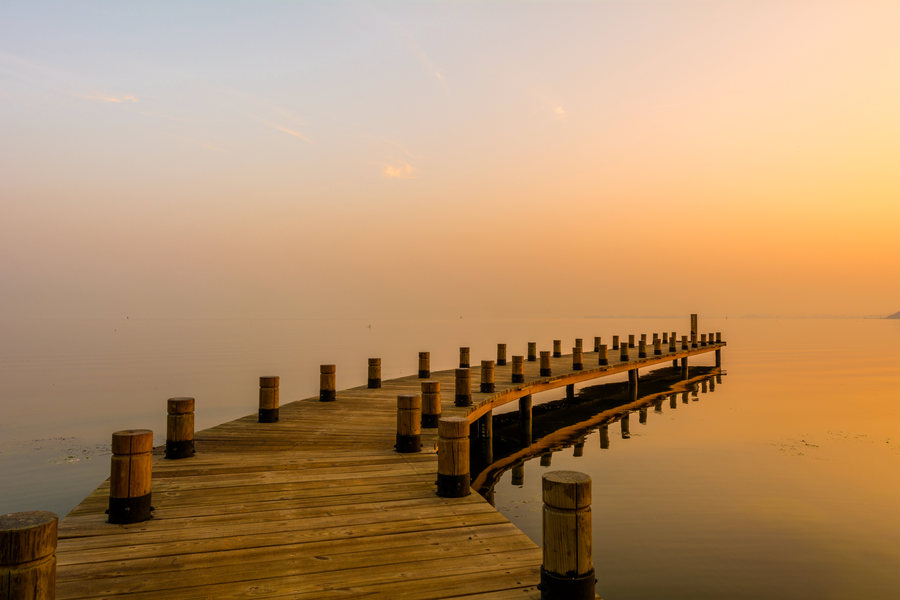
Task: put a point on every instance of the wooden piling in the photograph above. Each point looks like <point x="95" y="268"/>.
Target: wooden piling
<point x="578" y="448"/>
<point x="462" y="395"/>
<point x="718" y="337"/>
<point x="657" y="347"/>
<point x="642" y="348"/>
<point x="694" y="328"/>
<point x="631" y="340"/>
<point x="374" y="380"/>
<point x="517" y="476"/>
<point x="577" y="359"/>
<point x="28" y="555"/>
<point x="579" y="343"/>
<point x="597" y="342"/>
<point x="409" y="423"/>
<point x="424" y="365"/>
<point x="702" y="339"/>
<point x="644" y="338"/>
<point x="623" y="352"/>
<point x="453" y="457"/>
<point x="567" y="572"/>
<point x="463" y="357"/>
<point x="501" y="355"/>
<point x="665" y="337"/>
<point x="130" y="476"/>
<point x="602" y="355"/>
<point x="557" y="348"/>
<point x="684" y="342"/>
<point x="655" y="337"/>
<point x="327" y="378"/>
<point x="615" y="344"/>
<point x="487" y="377"/>
<point x="532" y="351"/>
<point x="626" y="429"/>
<point x="518" y="369"/>
<point x="672" y="344"/>
<point x="545" y="363"/>
<point x="179" y="428"/>
<point x="431" y="403"/>
<point x="268" y="399"/>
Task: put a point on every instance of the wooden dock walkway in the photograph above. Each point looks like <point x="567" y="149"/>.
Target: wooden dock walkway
<point x="319" y="505"/>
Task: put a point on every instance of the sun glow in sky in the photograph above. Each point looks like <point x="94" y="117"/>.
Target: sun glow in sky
<point x="485" y="158"/>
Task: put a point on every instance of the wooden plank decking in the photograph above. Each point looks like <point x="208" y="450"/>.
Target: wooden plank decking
<point x="317" y="505"/>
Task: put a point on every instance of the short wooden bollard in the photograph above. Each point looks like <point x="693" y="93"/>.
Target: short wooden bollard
<point x="374" y="380"/>
<point x="268" y="399"/>
<point x="644" y="338"/>
<point x="518" y="369"/>
<point x="672" y="344"/>
<point x="453" y="457"/>
<point x="657" y="347"/>
<point x="615" y="344"/>
<point x="597" y="341"/>
<point x="545" y="363"/>
<point x="579" y="343"/>
<point x="710" y="338"/>
<point x="130" y="473"/>
<point x="431" y="403"/>
<point x="567" y="572"/>
<point x="487" y="377"/>
<point x="532" y="351"/>
<point x="28" y="555"/>
<point x="702" y="339"/>
<point x="327" y="389"/>
<point x="464" y="357"/>
<point x="602" y="355"/>
<point x="577" y="359"/>
<point x="180" y="428"/>
<point x="718" y="337"/>
<point x="623" y="352"/>
<point x="501" y="355"/>
<point x="462" y="395"/>
<point x="557" y="348"/>
<point x="424" y="365"/>
<point x="631" y="340"/>
<point x="642" y="349"/>
<point x="655" y="337"/>
<point x="684" y="342"/>
<point x="409" y="423"/>
<point x="665" y="337"/>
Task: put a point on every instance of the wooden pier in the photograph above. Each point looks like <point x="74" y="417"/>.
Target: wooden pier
<point x="319" y="504"/>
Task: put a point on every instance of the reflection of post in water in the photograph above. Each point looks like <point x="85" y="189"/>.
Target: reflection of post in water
<point x="604" y="436"/>
<point x="578" y="449"/>
<point x="633" y="384"/>
<point x="625" y="431"/>
<point x="719" y="378"/>
<point x="642" y="415"/>
<point x="684" y="368"/>
<point x="703" y="386"/>
<point x="673" y="400"/>
<point x="518" y="474"/>
<point x="695" y="391"/>
<point x="570" y="392"/>
<point x="712" y="384"/>
<point x="546" y="457"/>
<point x="525" y="420"/>
<point x="684" y="397"/>
<point x="482" y="437"/>
<point x="657" y="404"/>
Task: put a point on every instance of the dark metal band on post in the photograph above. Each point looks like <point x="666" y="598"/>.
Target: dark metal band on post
<point x="424" y="365"/>
<point x="268" y="399"/>
<point x="557" y="348"/>
<point x="518" y="369"/>
<point x="327" y="383"/>
<point x="487" y="377"/>
<point x="129" y="510"/>
<point x="555" y="587"/>
<point x="463" y="357"/>
<point x="374" y="381"/>
<point x="545" y="363"/>
<point x="532" y="351"/>
<point x="501" y="355"/>
<point x="462" y="395"/>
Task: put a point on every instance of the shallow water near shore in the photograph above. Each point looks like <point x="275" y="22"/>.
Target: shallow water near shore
<point x="782" y="482"/>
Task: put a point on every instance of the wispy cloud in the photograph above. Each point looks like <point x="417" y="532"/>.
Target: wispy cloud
<point x="292" y="132"/>
<point x="404" y="170"/>
<point x="110" y="99"/>
<point x="559" y="112"/>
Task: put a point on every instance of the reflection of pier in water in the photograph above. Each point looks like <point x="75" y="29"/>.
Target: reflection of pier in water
<point x="507" y="441"/>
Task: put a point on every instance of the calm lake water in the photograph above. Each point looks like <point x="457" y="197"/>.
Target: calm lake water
<point x="782" y="483"/>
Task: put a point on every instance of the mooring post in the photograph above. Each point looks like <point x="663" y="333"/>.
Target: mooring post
<point x="453" y="457"/>
<point x="672" y="335"/>
<point x="684" y="342"/>
<point x="28" y="555"/>
<point x="718" y="337"/>
<point x="487" y="377"/>
<point x="179" y="428"/>
<point x="657" y="347"/>
<point x="327" y="390"/>
<point x="501" y="355"/>
<point x="567" y="572"/>
<point x="665" y="337"/>
<point x="642" y="349"/>
<point x="579" y="343"/>
<point x="710" y="338"/>
<point x="684" y="367"/>
<point x="644" y="338"/>
<point x="557" y="348"/>
<point x="703" y="386"/>
<point x="463" y="357"/>
<point x="424" y="365"/>
<point x="545" y="363"/>
<point x="631" y="340"/>
<point x="597" y="342"/>
<point x="525" y="420"/>
<point x="374" y="381"/>
<point x="694" y="330"/>
<point x="702" y="339"/>
<point x="462" y="395"/>
<point x="130" y="473"/>
<point x="532" y="351"/>
<point x="712" y="384"/>
<point x="602" y="356"/>
<point x="623" y="352"/>
<point x="570" y="392"/>
<point x="431" y="403"/>
<point x="268" y="399"/>
<point x="409" y="423"/>
<point x="655" y="338"/>
<point x="577" y="358"/>
<point x="615" y="344"/>
<point x="672" y="344"/>
<point x="518" y="369"/>
<point x="633" y="383"/>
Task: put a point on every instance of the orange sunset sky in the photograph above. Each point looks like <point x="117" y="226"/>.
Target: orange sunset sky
<point x="388" y="159"/>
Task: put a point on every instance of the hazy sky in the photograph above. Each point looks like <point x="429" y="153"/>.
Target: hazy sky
<point x="385" y="159"/>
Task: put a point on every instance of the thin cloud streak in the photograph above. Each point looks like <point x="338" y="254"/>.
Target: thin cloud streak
<point x="402" y="171"/>
<point x="110" y="99"/>
<point x="292" y="132"/>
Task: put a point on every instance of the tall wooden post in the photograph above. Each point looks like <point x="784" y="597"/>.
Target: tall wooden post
<point x="463" y="393"/>
<point x="532" y="351"/>
<point x="501" y="355"/>
<point x="602" y="355"/>
<point x="518" y="369"/>
<point x="327" y="389"/>
<point x="623" y="352"/>
<point x="409" y="423"/>
<point x="180" y="428"/>
<point x="615" y="344"/>
<point x="577" y="359"/>
<point x="567" y="572"/>
<point x="557" y="348"/>
<point x="463" y="357"/>
<point x="694" y="330"/>
<point x="633" y="383"/>
<point x="28" y="555"/>
<point x="268" y="399"/>
<point x="487" y="377"/>
<point x="545" y="363"/>
<point x="525" y="420"/>
<point x="453" y="457"/>
<point x="130" y="476"/>
<point x="431" y="403"/>
<point x="424" y="365"/>
<point x="597" y="342"/>
<point x="483" y="452"/>
<point x="374" y="380"/>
